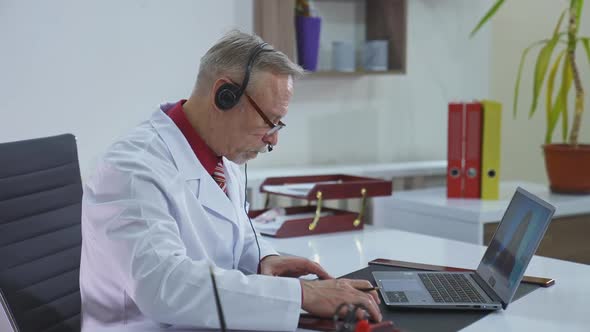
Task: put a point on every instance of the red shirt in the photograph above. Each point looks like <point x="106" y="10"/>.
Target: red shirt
<point x="206" y="156"/>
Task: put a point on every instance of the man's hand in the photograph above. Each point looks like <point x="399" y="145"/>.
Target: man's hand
<point x="289" y="266"/>
<point x="321" y="298"/>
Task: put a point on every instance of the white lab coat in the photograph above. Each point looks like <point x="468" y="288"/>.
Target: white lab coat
<point x="152" y="221"/>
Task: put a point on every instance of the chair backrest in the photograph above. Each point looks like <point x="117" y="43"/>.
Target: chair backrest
<point x="40" y="235"/>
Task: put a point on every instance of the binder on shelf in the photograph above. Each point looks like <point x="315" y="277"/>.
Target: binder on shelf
<point x="319" y="188"/>
<point x="490" y="155"/>
<point x="472" y="173"/>
<point x="455" y="140"/>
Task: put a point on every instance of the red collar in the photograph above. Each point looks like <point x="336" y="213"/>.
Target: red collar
<point x="206" y="156"/>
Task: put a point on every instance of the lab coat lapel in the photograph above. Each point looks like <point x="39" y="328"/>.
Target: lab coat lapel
<point x="212" y="197"/>
<point x="234" y="189"/>
<point x="207" y="190"/>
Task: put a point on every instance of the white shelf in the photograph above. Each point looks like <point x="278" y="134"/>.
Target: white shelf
<point x="433" y="201"/>
<point x="429" y="211"/>
<point x="382" y="171"/>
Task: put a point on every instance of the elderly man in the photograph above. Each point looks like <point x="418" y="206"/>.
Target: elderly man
<point x="168" y="201"/>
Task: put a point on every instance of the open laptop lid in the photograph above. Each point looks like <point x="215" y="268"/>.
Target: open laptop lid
<point x="7" y="322"/>
<point x="514" y="243"/>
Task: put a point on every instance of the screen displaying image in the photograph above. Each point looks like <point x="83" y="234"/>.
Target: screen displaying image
<point x="515" y="241"/>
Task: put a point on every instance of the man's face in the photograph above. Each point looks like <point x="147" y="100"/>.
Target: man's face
<point x="247" y="130"/>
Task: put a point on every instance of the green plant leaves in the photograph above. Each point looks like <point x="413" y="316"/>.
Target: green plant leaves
<point x="556" y="30"/>
<point x="554" y="109"/>
<point x="487" y="16"/>
<point x="519" y="73"/>
<point x="586" y="42"/>
<point x="542" y="64"/>
<point x="550" y="83"/>
<point x="560" y="106"/>
<point x="577" y="5"/>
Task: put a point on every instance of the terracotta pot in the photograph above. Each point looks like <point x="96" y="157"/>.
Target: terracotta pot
<point x="568" y="168"/>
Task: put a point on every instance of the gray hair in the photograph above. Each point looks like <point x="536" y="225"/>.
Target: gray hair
<point x="230" y="55"/>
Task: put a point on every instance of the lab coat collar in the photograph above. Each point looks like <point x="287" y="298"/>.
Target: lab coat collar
<point x="207" y="191"/>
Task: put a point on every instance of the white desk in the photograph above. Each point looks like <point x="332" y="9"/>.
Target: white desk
<point x="429" y="211"/>
<point x="562" y="307"/>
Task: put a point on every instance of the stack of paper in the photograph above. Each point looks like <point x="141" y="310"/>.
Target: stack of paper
<point x="294" y="189"/>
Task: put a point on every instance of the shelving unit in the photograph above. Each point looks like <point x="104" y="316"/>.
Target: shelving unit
<point x="360" y="72"/>
<point x="356" y="20"/>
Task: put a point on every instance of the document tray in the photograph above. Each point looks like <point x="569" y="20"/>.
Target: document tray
<point x="318" y="188"/>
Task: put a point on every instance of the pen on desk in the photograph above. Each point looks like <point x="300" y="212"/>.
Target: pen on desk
<point x="368" y="289"/>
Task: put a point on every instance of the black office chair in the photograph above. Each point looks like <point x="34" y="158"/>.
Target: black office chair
<point x="40" y="236"/>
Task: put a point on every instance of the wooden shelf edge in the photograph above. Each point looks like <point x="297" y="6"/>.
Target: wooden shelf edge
<point x="331" y="73"/>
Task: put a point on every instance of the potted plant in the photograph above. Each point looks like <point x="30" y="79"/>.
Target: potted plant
<point x="567" y="163"/>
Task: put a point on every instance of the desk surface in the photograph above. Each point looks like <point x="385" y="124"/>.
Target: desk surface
<point x="433" y="201"/>
<point x="562" y="307"/>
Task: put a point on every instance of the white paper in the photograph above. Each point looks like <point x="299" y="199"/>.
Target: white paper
<point x="294" y="189"/>
<point x="271" y="226"/>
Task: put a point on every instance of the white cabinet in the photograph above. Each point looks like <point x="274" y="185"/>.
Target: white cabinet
<point x="428" y="211"/>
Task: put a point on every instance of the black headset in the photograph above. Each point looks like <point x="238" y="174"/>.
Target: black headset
<point x="228" y="94"/>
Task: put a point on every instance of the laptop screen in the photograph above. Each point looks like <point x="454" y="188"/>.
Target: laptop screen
<point x="6" y="320"/>
<point x="515" y="242"/>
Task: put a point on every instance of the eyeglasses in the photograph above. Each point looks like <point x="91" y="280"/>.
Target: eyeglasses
<point x="273" y="127"/>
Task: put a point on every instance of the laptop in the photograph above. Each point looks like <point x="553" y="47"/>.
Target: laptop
<point x="498" y="275"/>
<point x="7" y="323"/>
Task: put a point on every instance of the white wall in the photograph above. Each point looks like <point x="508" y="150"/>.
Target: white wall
<point x="392" y="118"/>
<point x="517" y="25"/>
<point x="97" y="68"/>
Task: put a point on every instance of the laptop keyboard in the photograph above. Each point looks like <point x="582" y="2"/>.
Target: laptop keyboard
<point x="450" y="288"/>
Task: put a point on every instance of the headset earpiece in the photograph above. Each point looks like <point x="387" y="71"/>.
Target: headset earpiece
<point x="227" y="96"/>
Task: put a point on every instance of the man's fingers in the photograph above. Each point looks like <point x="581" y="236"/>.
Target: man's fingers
<point x="309" y="267"/>
<point x="329" y="295"/>
<point x="360" y="311"/>
<point x="318" y="270"/>
<point x="364" y="298"/>
<point x="362" y="314"/>
<point x="371" y="306"/>
<point x="375" y="296"/>
<point x="365" y="284"/>
<point x="360" y="284"/>
<point x="368" y="300"/>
